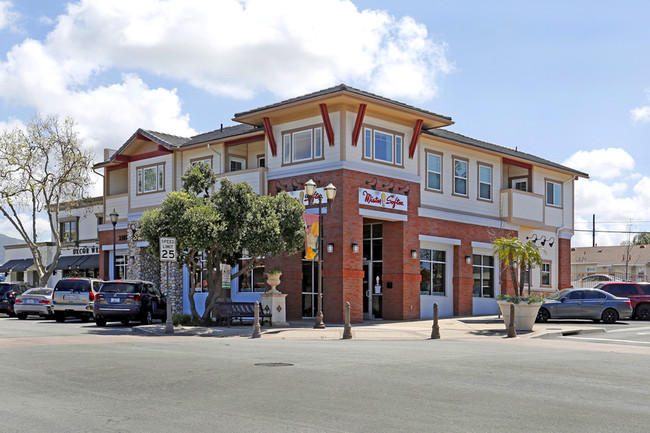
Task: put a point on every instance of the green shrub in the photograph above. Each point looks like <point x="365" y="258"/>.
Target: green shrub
<point x="517" y="299"/>
<point x="182" y="319"/>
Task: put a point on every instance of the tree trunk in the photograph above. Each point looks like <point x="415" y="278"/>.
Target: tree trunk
<point x="513" y="275"/>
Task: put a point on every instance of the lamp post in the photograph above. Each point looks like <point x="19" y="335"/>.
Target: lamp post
<point x="114" y="216"/>
<point x="330" y="193"/>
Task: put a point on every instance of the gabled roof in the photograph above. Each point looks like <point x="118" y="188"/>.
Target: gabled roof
<point x="219" y="134"/>
<point x="166" y="140"/>
<point x="611" y="255"/>
<point x="484" y="145"/>
<point x="335" y="89"/>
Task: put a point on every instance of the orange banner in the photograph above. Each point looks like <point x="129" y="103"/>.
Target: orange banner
<point x="312" y="236"/>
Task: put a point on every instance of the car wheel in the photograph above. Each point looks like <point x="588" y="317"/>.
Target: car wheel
<point x="100" y="322"/>
<point x="125" y="322"/>
<point x="21" y="316"/>
<point x="610" y="316"/>
<point x="147" y="319"/>
<point x="543" y="315"/>
<point x="643" y="312"/>
<point x="59" y="317"/>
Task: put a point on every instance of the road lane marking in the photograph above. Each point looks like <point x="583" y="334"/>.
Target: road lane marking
<point x="610" y="339"/>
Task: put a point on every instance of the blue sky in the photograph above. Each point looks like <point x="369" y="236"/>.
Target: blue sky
<point x="565" y="80"/>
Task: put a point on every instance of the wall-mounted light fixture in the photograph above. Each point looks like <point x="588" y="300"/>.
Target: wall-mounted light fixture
<point x="468" y="260"/>
<point x="533" y="238"/>
<point x="414" y="254"/>
<point x="405" y="189"/>
<point x="551" y="241"/>
<point x="279" y="186"/>
<point x="330" y="248"/>
<point x="390" y="185"/>
<point x="372" y="182"/>
<point x="355" y="248"/>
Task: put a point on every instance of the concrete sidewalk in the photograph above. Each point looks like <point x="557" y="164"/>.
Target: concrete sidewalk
<point x="457" y="328"/>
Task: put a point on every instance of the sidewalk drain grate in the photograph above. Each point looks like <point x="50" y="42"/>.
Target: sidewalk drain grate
<point x="274" y="364"/>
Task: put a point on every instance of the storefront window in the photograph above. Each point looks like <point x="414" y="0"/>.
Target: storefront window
<point x="483" y="276"/>
<point x="252" y="281"/>
<point x="309" y="288"/>
<point x="432" y="272"/>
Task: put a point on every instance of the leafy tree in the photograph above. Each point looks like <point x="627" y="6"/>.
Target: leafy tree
<point x="221" y="225"/>
<point x="42" y="167"/>
<point x="510" y="250"/>
<point x="641" y="239"/>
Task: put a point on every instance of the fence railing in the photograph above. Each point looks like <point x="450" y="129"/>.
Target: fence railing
<point x="590" y="279"/>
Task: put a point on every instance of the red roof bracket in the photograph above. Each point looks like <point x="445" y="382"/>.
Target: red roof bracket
<point x="269" y="133"/>
<point x="122" y="158"/>
<point x="517" y="163"/>
<point x="416" y="136"/>
<point x="328" y="125"/>
<point x="357" y="125"/>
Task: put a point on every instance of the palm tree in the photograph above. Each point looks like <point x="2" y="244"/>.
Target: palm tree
<point x="509" y="250"/>
<point x="529" y="256"/>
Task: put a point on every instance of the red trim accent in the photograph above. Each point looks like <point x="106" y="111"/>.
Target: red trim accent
<point x="139" y="136"/>
<point x="269" y="133"/>
<point x="245" y="140"/>
<point x="357" y="125"/>
<point x="517" y="163"/>
<point x="162" y="148"/>
<point x="117" y="167"/>
<point x="122" y="158"/>
<point x="416" y="136"/>
<point x="150" y="155"/>
<point x="328" y="125"/>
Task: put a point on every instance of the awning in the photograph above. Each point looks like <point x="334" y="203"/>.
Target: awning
<point x="68" y="262"/>
<point x="9" y="265"/>
<point x="89" y="262"/>
<point x="23" y="265"/>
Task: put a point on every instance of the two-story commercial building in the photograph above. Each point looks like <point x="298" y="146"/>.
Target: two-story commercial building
<point x="412" y="224"/>
<point x="79" y="246"/>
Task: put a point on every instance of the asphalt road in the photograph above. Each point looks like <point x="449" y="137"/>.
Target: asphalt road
<point x="76" y="377"/>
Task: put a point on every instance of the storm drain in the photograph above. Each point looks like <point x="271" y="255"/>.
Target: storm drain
<point x="274" y="364"/>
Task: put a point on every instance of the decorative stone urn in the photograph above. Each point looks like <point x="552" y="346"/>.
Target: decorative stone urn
<point x="273" y="279"/>
<point x="525" y="314"/>
<point x="274" y="300"/>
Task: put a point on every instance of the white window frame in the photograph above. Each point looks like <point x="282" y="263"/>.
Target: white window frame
<point x="545" y="272"/>
<point x="429" y="170"/>
<point x="238" y="159"/>
<point x="159" y="173"/>
<point x="316" y="138"/>
<point x="396" y="146"/>
<point x="557" y="191"/>
<point x="517" y="180"/>
<point x="466" y="178"/>
<point x="482" y="166"/>
<point x="495" y="273"/>
<point x="431" y="262"/>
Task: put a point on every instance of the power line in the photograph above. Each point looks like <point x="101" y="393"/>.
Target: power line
<point x="609" y="231"/>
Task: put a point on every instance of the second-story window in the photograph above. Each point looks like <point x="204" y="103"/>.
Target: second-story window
<point x="553" y="193"/>
<point x="434" y="171"/>
<point x="302" y="145"/>
<point x="150" y="178"/>
<point x="382" y="146"/>
<point x="460" y="177"/>
<point x="68" y="231"/>
<point x="484" y="182"/>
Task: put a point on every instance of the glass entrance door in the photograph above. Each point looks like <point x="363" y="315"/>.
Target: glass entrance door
<point x="372" y="271"/>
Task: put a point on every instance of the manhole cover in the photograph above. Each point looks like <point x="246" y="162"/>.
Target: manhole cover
<point x="273" y="364"/>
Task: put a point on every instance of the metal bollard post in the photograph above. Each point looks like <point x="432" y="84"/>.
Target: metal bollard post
<point x="435" y="332"/>
<point x="512" y="329"/>
<point x="257" y="333"/>
<point x="347" y="329"/>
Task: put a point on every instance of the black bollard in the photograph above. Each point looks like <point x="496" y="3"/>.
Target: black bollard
<point x="347" y="329"/>
<point x="435" y="331"/>
<point x="257" y="333"/>
<point x="512" y="329"/>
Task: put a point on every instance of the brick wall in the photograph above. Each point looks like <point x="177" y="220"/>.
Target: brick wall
<point x="564" y="258"/>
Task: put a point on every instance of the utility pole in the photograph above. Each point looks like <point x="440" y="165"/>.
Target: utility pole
<point x="593" y="231"/>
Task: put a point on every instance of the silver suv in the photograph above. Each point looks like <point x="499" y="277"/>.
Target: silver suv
<point x="74" y="297"/>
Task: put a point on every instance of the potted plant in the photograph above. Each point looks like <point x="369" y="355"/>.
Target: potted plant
<point x="273" y="279"/>
<point x="512" y="252"/>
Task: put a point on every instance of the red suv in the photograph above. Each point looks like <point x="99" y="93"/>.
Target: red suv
<point x="639" y="294"/>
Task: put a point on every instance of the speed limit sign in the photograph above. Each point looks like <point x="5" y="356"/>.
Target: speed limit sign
<point x="167" y="249"/>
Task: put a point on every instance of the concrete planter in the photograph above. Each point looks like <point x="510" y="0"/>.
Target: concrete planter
<point x="525" y="314"/>
<point x="273" y="280"/>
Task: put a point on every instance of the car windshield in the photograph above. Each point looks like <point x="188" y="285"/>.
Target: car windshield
<point x="558" y="295"/>
<point x="38" y="291"/>
<point x="6" y="288"/>
<point x="72" y="286"/>
<point x="118" y="288"/>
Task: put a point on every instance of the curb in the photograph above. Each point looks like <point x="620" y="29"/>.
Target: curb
<point x="565" y="332"/>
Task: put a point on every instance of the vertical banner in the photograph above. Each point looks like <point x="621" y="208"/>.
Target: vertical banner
<point x="312" y="236"/>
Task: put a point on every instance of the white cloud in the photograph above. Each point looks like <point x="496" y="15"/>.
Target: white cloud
<point x="641" y="114"/>
<point x="615" y="195"/>
<point x="237" y="48"/>
<point x="42" y="227"/>
<point x="608" y="163"/>
<point x="7" y="14"/>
